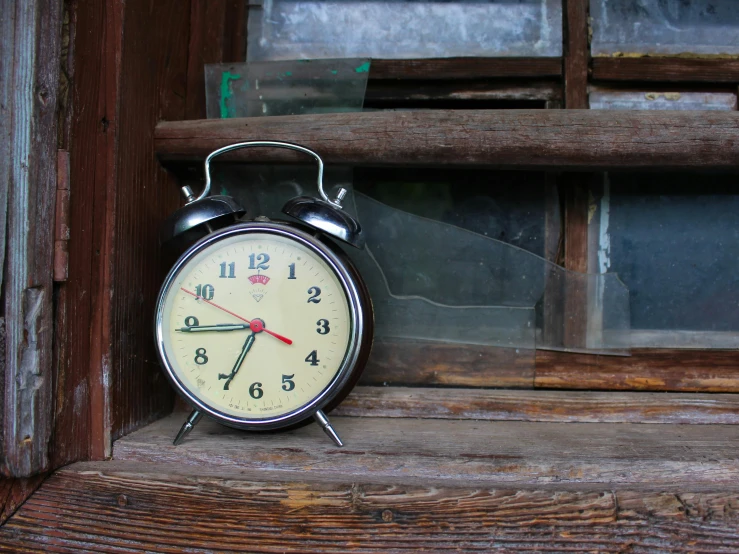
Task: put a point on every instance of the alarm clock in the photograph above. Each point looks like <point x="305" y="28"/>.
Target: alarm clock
<point x="263" y="325"/>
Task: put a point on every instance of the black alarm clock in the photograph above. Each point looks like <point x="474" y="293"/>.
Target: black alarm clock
<point x="263" y="325"/>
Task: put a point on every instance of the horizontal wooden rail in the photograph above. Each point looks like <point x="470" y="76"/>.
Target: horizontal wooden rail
<point x="574" y="139"/>
<point x="465" y="68"/>
<point x="665" y="69"/>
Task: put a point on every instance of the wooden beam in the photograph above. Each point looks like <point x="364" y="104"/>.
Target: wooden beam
<point x="647" y="369"/>
<point x="581" y="139"/>
<point x="666" y="69"/>
<point x="422" y="363"/>
<point x="541" y="405"/>
<point x="154" y="59"/>
<point x="30" y="45"/>
<point x="138" y="507"/>
<point x="425" y="363"/>
<point x="577" y="53"/>
<point x="460" y="453"/>
<point x="464" y="68"/>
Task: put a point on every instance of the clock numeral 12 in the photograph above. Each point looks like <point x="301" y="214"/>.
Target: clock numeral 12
<point x="262" y="264"/>
<point x="231" y="270"/>
<point x="292" y="271"/>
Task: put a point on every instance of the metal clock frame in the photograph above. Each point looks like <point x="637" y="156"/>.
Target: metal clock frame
<point x="360" y="335"/>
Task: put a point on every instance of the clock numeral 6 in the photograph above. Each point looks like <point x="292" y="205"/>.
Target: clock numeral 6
<point x="323" y="328"/>
<point x="287" y="383"/>
<point x="205" y="291"/>
<point x="255" y="391"/>
<point x="316" y="292"/>
<point x="200" y="357"/>
<point x="312" y="358"/>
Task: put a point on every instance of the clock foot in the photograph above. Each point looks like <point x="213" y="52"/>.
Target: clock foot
<point x="192" y="421"/>
<point x="325" y="424"/>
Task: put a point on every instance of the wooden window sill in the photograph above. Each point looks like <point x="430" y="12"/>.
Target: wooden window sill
<point x="456" y="452"/>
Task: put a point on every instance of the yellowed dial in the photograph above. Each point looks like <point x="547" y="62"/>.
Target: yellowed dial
<point x="256" y="325"/>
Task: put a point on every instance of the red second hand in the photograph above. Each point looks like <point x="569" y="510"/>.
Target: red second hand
<point x="277" y="336"/>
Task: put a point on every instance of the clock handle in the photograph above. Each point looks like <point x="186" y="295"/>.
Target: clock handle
<point x="274" y="144"/>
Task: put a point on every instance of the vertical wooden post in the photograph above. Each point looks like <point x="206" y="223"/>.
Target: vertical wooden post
<point x="575" y="186"/>
<point x="29" y="60"/>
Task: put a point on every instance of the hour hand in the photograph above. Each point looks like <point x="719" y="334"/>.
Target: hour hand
<point x="244" y="351"/>
<point x="218" y="327"/>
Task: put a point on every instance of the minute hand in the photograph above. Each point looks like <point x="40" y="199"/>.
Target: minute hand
<point x="237" y="316"/>
<point x="247" y="346"/>
<point x="217" y="327"/>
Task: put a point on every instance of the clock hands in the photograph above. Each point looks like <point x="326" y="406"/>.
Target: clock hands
<point x="276" y="335"/>
<point x="244" y="351"/>
<point x="216" y="327"/>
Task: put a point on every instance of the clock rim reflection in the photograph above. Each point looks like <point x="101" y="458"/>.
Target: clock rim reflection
<point x="346" y="277"/>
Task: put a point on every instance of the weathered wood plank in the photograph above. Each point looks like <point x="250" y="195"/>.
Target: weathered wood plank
<point x="464" y="68"/>
<point x="130" y="508"/>
<point x="666" y="69"/>
<point x="543" y="406"/>
<point x="392" y="94"/>
<point x="421" y="363"/>
<point x="91" y="138"/>
<point x="458" y="453"/>
<point x="155" y="61"/>
<point x="576" y="211"/>
<point x="577" y="53"/>
<point x="15" y="491"/>
<point x="207" y="34"/>
<point x="30" y="63"/>
<point x="645" y="370"/>
<point x="410" y="362"/>
<point x="581" y="139"/>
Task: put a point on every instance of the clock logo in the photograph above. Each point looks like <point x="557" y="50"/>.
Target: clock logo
<point x="258" y="291"/>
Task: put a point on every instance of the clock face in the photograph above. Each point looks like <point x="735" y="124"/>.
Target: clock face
<point x="256" y="325"/>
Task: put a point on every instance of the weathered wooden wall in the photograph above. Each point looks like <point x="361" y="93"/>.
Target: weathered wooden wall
<point x="30" y="38"/>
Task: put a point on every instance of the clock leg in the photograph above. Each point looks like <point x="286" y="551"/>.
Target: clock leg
<point x="191" y="422"/>
<point x="325" y="424"/>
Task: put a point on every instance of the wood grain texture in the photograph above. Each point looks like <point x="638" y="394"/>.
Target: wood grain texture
<point x="130" y="508"/>
<point x="581" y="139"/>
<point x="207" y="33"/>
<point x="576" y="190"/>
<point x="420" y="363"/>
<point x="457" y="453"/>
<point x="464" y="68"/>
<point x="30" y="56"/>
<point x="541" y="405"/>
<point x="15" y="491"/>
<point x="409" y="363"/>
<point x="155" y="61"/>
<point x="577" y="53"/>
<point x="645" y="370"/>
<point x="468" y="94"/>
<point x="666" y="69"/>
<point x="92" y="77"/>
